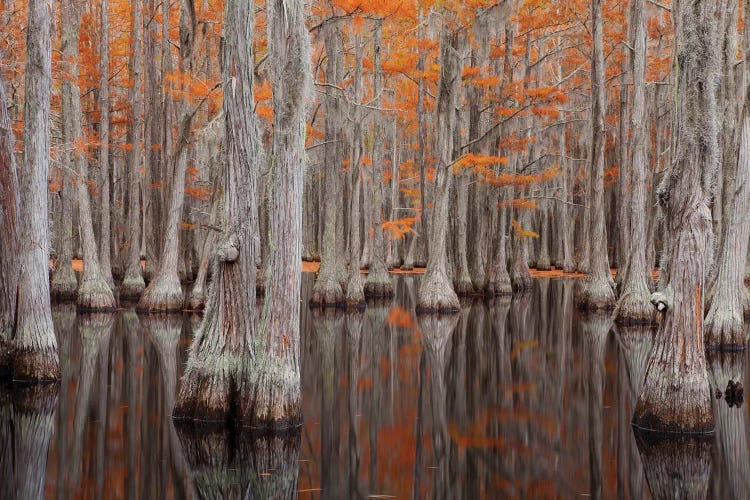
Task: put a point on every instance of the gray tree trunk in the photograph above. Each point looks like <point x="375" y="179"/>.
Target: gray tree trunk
<point x="723" y="327"/>
<point x="355" y="294"/>
<point x="378" y="283"/>
<point x="327" y="290"/>
<point x="132" y="284"/>
<point x="164" y="292"/>
<point x="35" y="357"/>
<point x="217" y="381"/>
<point x="435" y="289"/>
<point x="64" y="282"/>
<point x="594" y="292"/>
<point x="9" y="234"/>
<point x="634" y="304"/>
<point x="94" y="293"/>
<point x="277" y="396"/>
<point x="105" y="233"/>
<point x="676" y="394"/>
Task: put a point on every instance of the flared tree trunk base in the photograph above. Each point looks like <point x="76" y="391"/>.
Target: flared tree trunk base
<point x="724" y="330"/>
<point x="206" y="398"/>
<point x="378" y="284"/>
<point x="277" y="402"/>
<point x="327" y="292"/>
<point x="197" y="299"/>
<point x="543" y="264"/>
<point x="64" y="284"/>
<point x="132" y="286"/>
<point x="163" y="294"/>
<point x="568" y="266"/>
<point x="40" y="366"/>
<point x="463" y="286"/>
<point x="497" y="286"/>
<point x="675" y="403"/>
<point x="594" y="295"/>
<point x="95" y="295"/>
<point x="635" y="308"/>
<point x="355" y="292"/>
<point x="521" y="281"/>
<point x="436" y="295"/>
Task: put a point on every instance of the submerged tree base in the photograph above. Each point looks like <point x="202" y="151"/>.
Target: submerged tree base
<point x="594" y="295"/>
<point x="378" y="284"/>
<point x="521" y="280"/>
<point x="96" y="295"/>
<point x="464" y="286"/>
<point x="724" y="330"/>
<point x="355" y="293"/>
<point x="634" y="308"/>
<point x="132" y="286"/>
<point x="678" y="403"/>
<point x="327" y="292"/>
<point x="436" y="295"/>
<point x="36" y="366"/>
<point x="163" y="294"/>
<point x="64" y="285"/>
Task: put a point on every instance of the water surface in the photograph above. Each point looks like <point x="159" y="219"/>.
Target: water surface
<point x="512" y="398"/>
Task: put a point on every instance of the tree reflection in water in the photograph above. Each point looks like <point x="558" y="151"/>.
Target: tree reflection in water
<point x="512" y="397"/>
<point x="26" y="423"/>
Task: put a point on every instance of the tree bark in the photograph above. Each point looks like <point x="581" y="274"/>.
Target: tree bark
<point x="676" y="395"/>
<point x="132" y="284"/>
<point x="633" y="305"/>
<point x="328" y="291"/>
<point x="276" y="379"/>
<point x="724" y="322"/>
<point x="94" y="294"/>
<point x="35" y="357"/>
<point x="217" y="382"/>
<point x="436" y="292"/>
<point x="594" y="292"/>
<point x="105" y="235"/>
<point x="164" y="292"/>
<point x="9" y="234"/>
<point x="355" y="294"/>
<point x="378" y="283"/>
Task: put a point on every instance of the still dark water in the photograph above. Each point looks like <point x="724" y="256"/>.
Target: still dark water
<point x="519" y="398"/>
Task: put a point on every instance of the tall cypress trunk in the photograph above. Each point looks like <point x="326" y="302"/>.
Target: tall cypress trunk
<point x="634" y="302"/>
<point x="132" y="284"/>
<point x="328" y="291"/>
<point x="277" y="396"/>
<point x="35" y="356"/>
<point x="724" y="322"/>
<point x="378" y="283"/>
<point x="355" y="294"/>
<point x="64" y="282"/>
<point x="105" y="233"/>
<point x="164" y="292"/>
<point x="594" y="292"/>
<point x="435" y="289"/>
<point x="676" y="394"/>
<point x="217" y="382"/>
<point x="93" y="293"/>
<point x="9" y="234"/>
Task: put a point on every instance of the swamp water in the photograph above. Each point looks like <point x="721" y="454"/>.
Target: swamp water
<point x="521" y="398"/>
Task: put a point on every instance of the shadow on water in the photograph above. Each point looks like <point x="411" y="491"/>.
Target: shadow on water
<point x="512" y="397"/>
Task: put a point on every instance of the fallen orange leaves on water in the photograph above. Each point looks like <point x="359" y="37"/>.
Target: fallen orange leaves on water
<point x="314" y="267"/>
